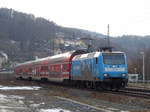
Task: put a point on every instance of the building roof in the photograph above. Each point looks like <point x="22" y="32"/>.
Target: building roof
<point x="2" y="54"/>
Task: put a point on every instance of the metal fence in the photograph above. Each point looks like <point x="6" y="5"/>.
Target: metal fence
<point x="140" y="81"/>
<point x="7" y="75"/>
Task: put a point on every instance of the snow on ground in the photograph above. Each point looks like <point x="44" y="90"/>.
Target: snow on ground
<point x="19" y="88"/>
<point x="37" y="105"/>
<point x="16" y="97"/>
<point x="3" y="98"/>
<point x="12" y="103"/>
<point x="54" y="110"/>
<point x="8" y="103"/>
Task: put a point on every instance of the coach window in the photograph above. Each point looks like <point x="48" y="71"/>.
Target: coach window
<point x="61" y="67"/>
<point x="52" y="68"/>
<point x="44" y="68"/>
<point x="64" y="67"/>
<point x="26" y="70"/>
<point x="20" y="71"/>
<point x="55" y="68"/>
<point x="58" y="68"/>
<point x="30" y="69"/>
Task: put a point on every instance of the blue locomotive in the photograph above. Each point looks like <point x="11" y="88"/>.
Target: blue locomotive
<point x="106" y="69"/>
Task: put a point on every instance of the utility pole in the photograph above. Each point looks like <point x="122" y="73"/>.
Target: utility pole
<point x="108" y="40"/>
<point x="143" y="66"/>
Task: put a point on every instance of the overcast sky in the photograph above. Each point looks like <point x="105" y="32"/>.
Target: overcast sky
<point x="124" y="16"/>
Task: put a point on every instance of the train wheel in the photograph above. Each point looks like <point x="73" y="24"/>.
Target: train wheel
<point x="88" y="85"/>
<point x="115" y="87"/>
<point x="19" y="78"/>
<point x="95" y="86"/>
<point x="123" y="85"/>
<point x="29" y="78"/>
<point x="105" y="86"/>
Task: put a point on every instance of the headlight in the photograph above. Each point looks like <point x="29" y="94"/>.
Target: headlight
<point x="123" y="75"/>
<point x="106" y="75"/>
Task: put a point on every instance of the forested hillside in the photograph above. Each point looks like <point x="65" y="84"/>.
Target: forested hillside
<point x="23" y="34"/>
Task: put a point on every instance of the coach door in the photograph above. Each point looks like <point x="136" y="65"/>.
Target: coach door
<point x="37" y="72"/>
<point x="44" y="71"/>
<point x="65" y="71"/>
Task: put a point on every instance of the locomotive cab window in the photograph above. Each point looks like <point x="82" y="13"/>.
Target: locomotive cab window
<point x="113" y="58"/>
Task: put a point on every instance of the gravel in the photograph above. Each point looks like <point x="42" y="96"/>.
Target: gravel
<point x="15" y="96"/>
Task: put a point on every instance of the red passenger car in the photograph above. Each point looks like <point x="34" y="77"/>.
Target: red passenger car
<point x="53" y="68"/>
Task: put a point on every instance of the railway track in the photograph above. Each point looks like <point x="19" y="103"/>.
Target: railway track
<point x="135" y="92"/>
<point x="138" y="89"/>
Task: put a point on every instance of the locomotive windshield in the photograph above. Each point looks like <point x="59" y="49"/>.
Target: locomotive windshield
<point x="113" y="58"/>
